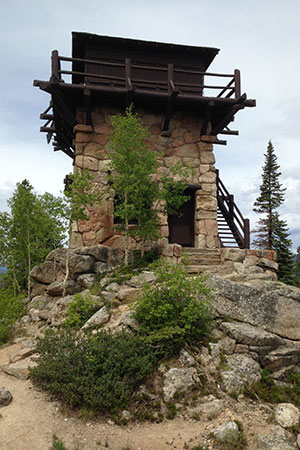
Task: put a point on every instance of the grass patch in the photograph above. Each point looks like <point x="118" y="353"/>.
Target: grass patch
<point x="266" y="389"/>
<point x="57" y="443"/>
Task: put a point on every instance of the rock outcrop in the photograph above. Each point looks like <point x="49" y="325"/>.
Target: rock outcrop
<point x="271" y="306"/>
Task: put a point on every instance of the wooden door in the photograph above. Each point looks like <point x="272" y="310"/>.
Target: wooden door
<point x="181" y="225"/>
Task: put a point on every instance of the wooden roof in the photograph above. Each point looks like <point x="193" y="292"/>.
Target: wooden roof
<point x="81" y="40"/>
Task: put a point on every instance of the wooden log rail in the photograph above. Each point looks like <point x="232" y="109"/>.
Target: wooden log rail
<point x="239" y="226"/>
<point x="228" y="90"/>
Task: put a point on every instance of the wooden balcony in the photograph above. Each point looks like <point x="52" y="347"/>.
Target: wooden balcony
<point x="162" y="77"/>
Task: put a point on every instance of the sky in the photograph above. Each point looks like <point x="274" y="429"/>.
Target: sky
<point x="261" y="38"/>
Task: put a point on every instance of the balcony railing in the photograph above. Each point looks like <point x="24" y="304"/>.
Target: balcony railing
<point x="141" y="76"/>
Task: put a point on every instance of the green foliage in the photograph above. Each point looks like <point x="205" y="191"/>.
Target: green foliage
<point x="132" y="180"/>
<point x="271" y="193"/>
<point x="11" y="309"/>
<point x="79" y="311"/>
<point x="175" y="310"/>
<point x="272" y="232"/>
<point x="79" y="194"/>
<point x="123" y="273"/>
<point x="57" y="443"/>
<point x="282" y="245"/>
<point x="34" y="226"/>
<point x="96" y="372"/>
<point x="267" y="390"/>
<point x="132" y="168"/>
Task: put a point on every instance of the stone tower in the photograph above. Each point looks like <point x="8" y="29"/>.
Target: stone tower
<point x="185" y="108"/>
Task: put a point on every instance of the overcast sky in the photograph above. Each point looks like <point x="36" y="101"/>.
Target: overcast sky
<point x="259" y="37"/>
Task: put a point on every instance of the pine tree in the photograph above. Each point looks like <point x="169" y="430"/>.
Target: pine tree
<point x="297" y="268"/>
<point x="270" y="198"/>
<point x="282" y="245"/>
<point x="272" y="232"/>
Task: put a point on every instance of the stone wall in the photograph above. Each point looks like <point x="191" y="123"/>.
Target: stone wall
<point x="243" y="265"/>
<point x="181" y="144"/>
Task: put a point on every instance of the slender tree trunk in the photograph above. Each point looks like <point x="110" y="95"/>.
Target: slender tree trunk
<point x="67" y="266"/>
<point x="126" y="242"/>
<point x="143" y="247"/>
<point x="15" y="282"/>
<point x="126" y="234"/>
<point x="28" y="257"/>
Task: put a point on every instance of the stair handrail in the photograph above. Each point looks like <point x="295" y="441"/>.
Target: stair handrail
<point x="239" y="226"/>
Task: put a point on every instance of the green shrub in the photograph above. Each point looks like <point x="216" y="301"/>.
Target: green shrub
<point x="79" y="311"/>
<point x="57" y="443"/>
<point x="176" y="309"/>
<point x="266" y="389"/>
<point x="11" y="309"/>
<point x="96" y="372"/>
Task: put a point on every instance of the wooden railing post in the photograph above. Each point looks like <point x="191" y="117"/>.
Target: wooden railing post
<point x="246" y="233"/>
<point x="230" y="206"/>
<point x="128" y="74"/>
<point x="171" y="86"/>
<point x="55" y="67"/>
<point x="237" y="83"/>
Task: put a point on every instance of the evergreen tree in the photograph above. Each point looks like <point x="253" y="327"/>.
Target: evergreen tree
<point x="272" y="232"/>
<point x="297" y="268"/>
<point x="282" y="245"/>
<point x="270" y="198"/>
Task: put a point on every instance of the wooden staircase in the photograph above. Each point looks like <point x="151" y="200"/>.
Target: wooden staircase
<point x="227" y="235"/>
<point x="203" y="259"/>
<point x="233" y="229"/>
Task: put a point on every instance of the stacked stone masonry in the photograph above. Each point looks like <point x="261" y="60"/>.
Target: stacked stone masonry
<point x="181" y="144"/>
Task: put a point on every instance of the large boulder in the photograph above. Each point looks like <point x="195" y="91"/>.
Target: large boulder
<point x="57" y="255"/>
<point x="99" y="318"/>
<point x="101" y="253"/>
<point x="248" y="369"/>
<point x="273" y="352"/>
<point x="227" y="432"/>
<point x="272" y="306"/>
<point x="5" y="397"/>
<point x="287" y="415"/>
<point x="276" y="438"/>
<point x="56" y="288"/>
<point x="78" y="264"/>
<point x="45" y="273"/>
<point x="178" y="380"/>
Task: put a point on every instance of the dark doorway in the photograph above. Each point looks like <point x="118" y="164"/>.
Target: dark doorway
<point x="181" y="225"/>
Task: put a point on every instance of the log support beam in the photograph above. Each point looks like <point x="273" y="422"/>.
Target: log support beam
<point x="87" y="96"/>
<point x="172" y="95"/>
<point x="207" y="117"/>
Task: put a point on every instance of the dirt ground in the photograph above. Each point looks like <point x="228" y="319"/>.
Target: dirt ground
<point x="31" y="419"/>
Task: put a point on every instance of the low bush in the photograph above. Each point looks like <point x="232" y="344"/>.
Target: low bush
<point x="79" y="311"/>
<point x="266" y="389"/>
<point x="11" y="309"/>
<point x="93" y="372"/>
<point x="176" y="310"/>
